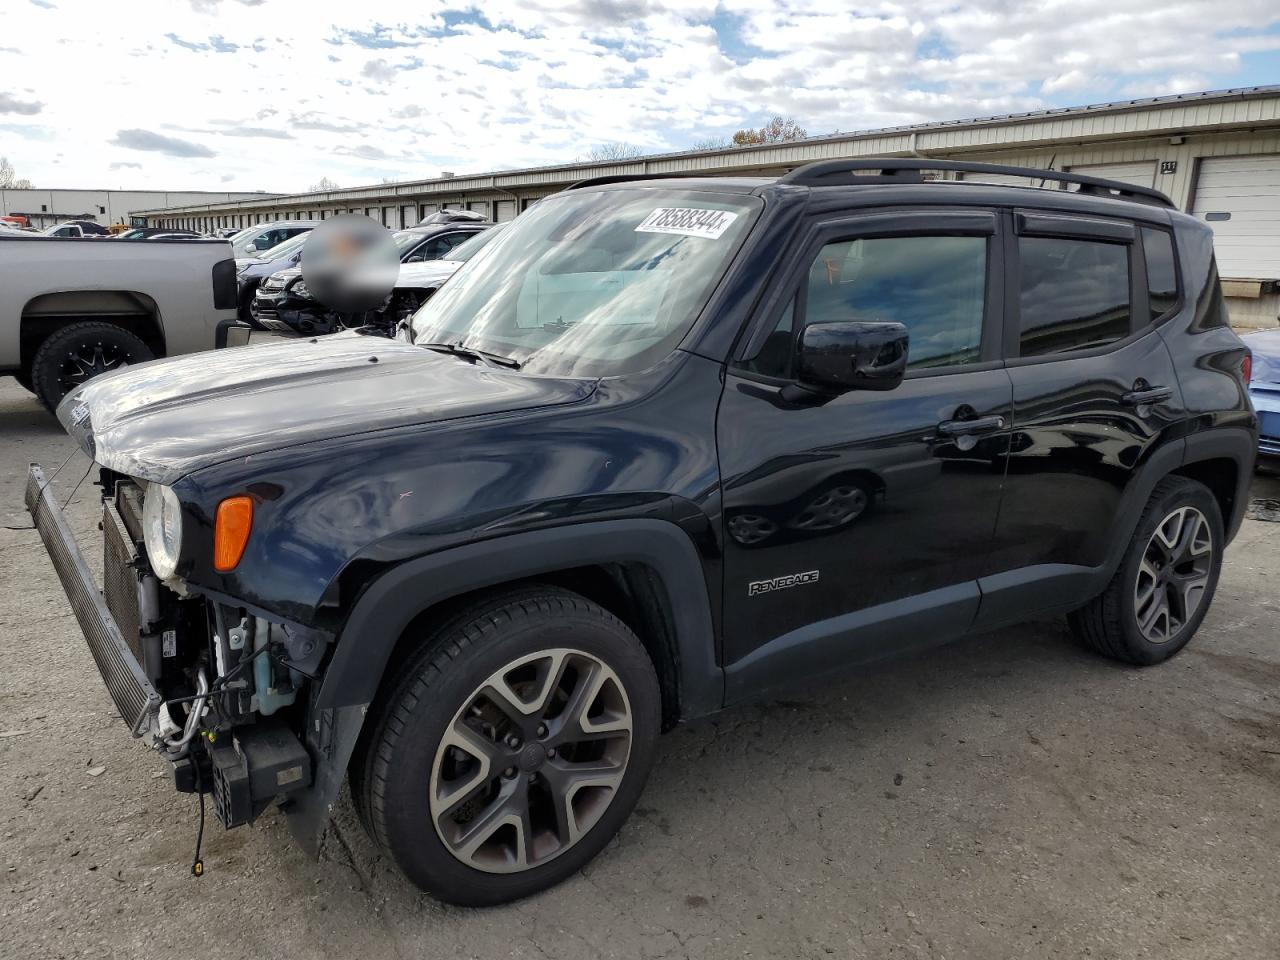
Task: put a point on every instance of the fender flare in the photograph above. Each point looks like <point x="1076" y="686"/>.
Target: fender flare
<point x="386" y="608"/>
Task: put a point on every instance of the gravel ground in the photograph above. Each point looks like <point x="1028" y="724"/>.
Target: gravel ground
<point x="1010" y="796"/>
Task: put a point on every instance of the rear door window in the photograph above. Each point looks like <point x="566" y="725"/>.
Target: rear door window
<point x="1074" y="294"/>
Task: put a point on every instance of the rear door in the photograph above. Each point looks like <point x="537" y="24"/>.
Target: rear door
<point x="1094" y="394"/>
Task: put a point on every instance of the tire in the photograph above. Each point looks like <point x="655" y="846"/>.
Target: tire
<point x="79" y="352"/>
<point x="459" y="783"/>
<point x="1125" y="622"/>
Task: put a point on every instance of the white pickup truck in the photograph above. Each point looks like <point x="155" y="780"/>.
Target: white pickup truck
<point x="72" y="309"/>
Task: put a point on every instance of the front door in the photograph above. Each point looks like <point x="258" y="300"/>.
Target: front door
<point x="857" y="527"/>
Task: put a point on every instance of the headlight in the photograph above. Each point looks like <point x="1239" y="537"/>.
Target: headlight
<point x="299" y="289"/>
<point x="162" y="529"/>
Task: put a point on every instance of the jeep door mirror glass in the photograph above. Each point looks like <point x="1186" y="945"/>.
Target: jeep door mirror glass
<point x="846" y="355"/>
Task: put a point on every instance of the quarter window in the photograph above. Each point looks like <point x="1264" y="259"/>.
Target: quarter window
<point x="1162" y="275"/>
<point x="1075" y="294"/>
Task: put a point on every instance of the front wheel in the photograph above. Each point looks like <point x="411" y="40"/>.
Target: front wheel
<point x="1166" y="581"/>
<point x="514" y="748"/>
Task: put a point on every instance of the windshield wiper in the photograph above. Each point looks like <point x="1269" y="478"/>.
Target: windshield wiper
<point x="458" y="350"/>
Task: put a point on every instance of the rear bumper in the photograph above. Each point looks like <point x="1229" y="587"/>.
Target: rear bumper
<point x="134" y="696"/>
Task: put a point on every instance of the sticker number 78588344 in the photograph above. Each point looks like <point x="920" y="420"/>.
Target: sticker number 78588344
<point x="688" y="222"/>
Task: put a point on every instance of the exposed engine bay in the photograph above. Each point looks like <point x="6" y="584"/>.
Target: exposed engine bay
<point x="231" y="685"/>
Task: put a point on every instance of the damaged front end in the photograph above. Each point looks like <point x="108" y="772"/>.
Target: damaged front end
<point x="218" y="690"/>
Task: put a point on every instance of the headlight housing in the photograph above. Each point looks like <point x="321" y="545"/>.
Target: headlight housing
<point x="162" y="529"/>
<point x="299" y="290"/>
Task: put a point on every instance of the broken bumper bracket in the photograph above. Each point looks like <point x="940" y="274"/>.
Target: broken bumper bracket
<point x="134" y="696"/>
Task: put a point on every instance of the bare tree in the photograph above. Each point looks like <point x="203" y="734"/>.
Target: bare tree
<point x="322" y="185"/>
<point x="614" y="151"/>
<point x="9" y="180"/>
<point x="712" y="143"/>
<point x="778" y="130"/>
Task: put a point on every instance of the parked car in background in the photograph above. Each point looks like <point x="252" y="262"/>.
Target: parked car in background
<point x="71" y="311"/>
<point x="157" y="233"/>
<point x="1264" y="388"/>
<point x="437" y="234"/>
<point x="257" y="240"/>
<point x="77" y="228"/>
<point x="251" y="271"/>
<point x="285" y="305"/>
<point x="479" y="568"/>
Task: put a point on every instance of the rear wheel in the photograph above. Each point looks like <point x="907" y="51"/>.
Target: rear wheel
<point x="514" y="748"/>
<point x="1166" y="581"/>
<point x="78" y="353"/>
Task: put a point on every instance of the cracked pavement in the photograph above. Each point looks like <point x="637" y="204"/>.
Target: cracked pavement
<point x="1008" y="796"/>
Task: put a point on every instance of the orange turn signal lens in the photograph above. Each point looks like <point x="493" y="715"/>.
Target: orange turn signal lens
<point x="231" y="532"/>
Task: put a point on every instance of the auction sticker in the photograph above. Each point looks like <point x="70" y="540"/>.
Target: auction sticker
<point x="688" y="222"/>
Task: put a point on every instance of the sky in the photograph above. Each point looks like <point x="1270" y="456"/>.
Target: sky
<point x="274" y="95"/>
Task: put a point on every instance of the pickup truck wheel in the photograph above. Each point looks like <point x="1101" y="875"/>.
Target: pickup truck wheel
<point x="1165" y="583"/>
<point x="78" y="353"/>
<point x="514" y="748"/>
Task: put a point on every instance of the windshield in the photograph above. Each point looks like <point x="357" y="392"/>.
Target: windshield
<point x="592" y="284"/>
<point x="469" y="248"/>
<point x="286" y="249"/>
<point x="404" y="239"/>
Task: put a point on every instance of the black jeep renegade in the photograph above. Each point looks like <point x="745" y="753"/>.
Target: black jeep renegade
<point x="664" y="446"/>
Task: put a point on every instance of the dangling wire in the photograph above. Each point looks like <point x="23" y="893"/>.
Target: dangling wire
<point x="197" y="864"/>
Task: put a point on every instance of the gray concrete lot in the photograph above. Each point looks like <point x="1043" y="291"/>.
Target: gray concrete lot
<point x="1010" y="796"/>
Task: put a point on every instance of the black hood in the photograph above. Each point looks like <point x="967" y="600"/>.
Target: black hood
<point x="163" y="419"/>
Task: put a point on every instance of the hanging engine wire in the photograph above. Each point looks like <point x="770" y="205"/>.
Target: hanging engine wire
<point x="197" y="862"/>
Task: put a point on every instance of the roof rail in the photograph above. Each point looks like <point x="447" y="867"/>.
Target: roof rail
<point x="628" y="177"/>
<point x="830" y="173"/>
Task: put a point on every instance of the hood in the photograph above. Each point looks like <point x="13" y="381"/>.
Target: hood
<point x="430" y="273"/>
<point x="161" y="420"/>
<point x="1265" y="347"/>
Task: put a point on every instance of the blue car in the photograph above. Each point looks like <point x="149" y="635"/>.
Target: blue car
<point x="1264" y="388"/>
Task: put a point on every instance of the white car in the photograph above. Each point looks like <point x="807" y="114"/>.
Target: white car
<point x="251" y="241"/>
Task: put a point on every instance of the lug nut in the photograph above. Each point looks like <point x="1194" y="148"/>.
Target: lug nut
<point x="509" y="773"/>
<point x="513" y="741"/>
<point x="542" y="729"/>
<point x="551" y="754"/>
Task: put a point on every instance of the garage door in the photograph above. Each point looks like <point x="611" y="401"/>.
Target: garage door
<point x="1240" y="199"/>
<point x="1140" y="174"/>
<point x="504" y="210"/>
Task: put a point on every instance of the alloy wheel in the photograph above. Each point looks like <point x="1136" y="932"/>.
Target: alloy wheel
<point x="531" y="761"/>
<point x="1173" y="575"/>
<point x="89" y="359"/>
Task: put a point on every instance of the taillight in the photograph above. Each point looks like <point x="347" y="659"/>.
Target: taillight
<point x="231" y="529"/>
<point x="1246" y="368"/>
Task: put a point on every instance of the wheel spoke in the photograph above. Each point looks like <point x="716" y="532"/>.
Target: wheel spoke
<point x="565" y="779"/>
<point x="520" y="709"/>
<point x="504" y="810"/>
<point x="450" y="795"/>
<point x="1157" y="610"/>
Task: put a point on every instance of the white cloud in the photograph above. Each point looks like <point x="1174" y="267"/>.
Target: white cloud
<point x="266" y="98"/>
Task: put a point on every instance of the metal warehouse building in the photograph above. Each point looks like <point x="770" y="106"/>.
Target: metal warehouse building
<point x="44" y="208"/>
<point x="1216" y="154"/>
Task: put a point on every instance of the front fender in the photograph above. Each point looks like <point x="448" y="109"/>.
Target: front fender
<point x="389" y="604"/>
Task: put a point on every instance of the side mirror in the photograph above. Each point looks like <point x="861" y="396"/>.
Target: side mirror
<point x="852" y="355"/>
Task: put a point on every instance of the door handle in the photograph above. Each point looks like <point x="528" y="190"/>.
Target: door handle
<point x="959" y="428"/>
<point x="1136" y="398"/>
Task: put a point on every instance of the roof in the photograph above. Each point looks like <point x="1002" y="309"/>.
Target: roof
<point x="1177" y="112"/>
